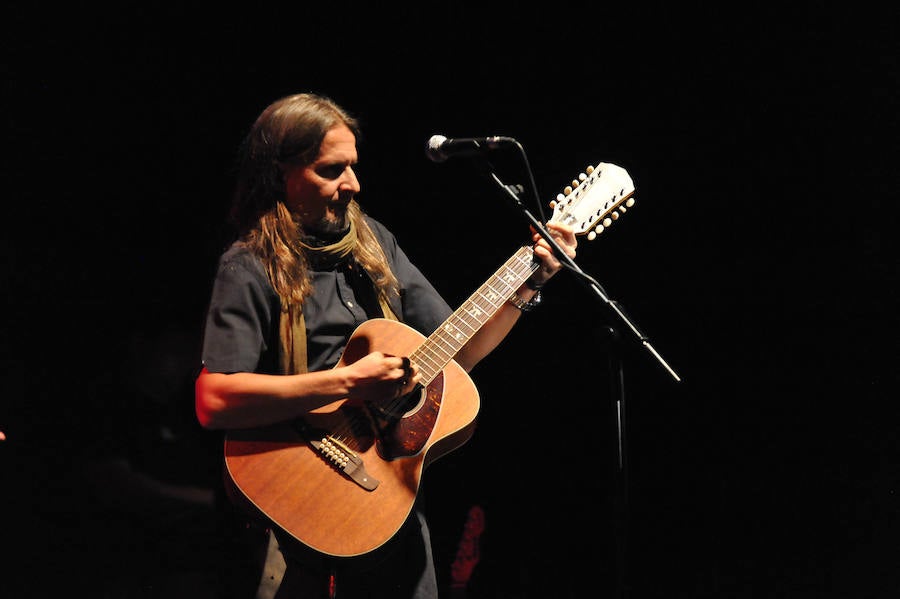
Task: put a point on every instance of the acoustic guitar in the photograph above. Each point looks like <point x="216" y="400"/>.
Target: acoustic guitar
<point x="343" y="479"/>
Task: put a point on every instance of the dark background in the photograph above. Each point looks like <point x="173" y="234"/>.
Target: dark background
<point x="760" y="260"/>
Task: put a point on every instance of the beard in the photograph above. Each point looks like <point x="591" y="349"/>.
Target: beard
<point x="334" y="222"/>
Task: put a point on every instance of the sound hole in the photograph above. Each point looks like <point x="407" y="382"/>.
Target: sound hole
<point x="402" y="407"/>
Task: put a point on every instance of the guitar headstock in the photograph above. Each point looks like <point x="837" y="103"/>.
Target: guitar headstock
<point x="595" y="200"/>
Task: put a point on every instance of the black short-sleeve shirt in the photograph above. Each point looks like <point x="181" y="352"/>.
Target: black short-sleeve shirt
<point x="241" y="329"/>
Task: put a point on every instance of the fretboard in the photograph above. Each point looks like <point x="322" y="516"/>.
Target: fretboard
<point x="443" y="344"/>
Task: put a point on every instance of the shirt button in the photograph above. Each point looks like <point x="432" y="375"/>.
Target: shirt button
<point x="349" y="304"/>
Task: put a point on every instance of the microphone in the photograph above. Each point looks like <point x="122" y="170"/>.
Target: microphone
<point x="439" y="148"/>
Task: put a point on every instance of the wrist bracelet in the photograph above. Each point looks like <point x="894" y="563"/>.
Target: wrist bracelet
<point x="529" y="282"/>
<point x="525" y="305"/>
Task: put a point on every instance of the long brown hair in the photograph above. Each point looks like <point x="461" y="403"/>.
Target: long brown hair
<point x="290" y="130"/>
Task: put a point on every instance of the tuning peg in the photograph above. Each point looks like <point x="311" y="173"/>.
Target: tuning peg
<point x="596" y="231"/>
<point x="615" y="215"/>
<point x="567" y="190"/>
<point x="560" y="198"/>
<point x="607" y="222"/>
<point x="623" y="208"/>
<point x="552" y="204"/>
<point x="582" y="177"/>
<point x="589" y="170"/>
<point x="574" y="182"/>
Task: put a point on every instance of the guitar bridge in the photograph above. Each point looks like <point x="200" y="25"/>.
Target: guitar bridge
<point x="341" y="457"/>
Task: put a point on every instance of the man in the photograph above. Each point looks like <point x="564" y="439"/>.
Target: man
<point x="309" y="267"/>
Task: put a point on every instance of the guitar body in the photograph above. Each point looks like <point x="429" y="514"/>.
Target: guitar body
<point x="285" y="479"/>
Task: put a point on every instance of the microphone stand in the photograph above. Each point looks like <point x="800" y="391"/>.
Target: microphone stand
<point x="617" y="375"/>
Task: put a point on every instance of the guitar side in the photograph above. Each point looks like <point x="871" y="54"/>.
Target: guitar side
<point x="283" y="478"/>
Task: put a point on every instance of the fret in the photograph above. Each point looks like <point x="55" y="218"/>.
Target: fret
<point x="424" y="361"/>
<point x="492" y="297"/>
<point x="493" y="291"/>
<point x="443" y="349"/>
<point x="453" y="333"/>
<point x="468" y="326"/>
<point x="444" y="353"/>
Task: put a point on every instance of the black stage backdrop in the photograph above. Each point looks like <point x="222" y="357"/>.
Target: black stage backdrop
<point x="760" y="260"/>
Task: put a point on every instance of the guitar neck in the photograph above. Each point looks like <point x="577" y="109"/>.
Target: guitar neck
<point x="437" y="351"/>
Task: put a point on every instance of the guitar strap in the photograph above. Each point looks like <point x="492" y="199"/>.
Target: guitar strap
<point x="292" y="329"/>
<point x="293" y="360"/>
